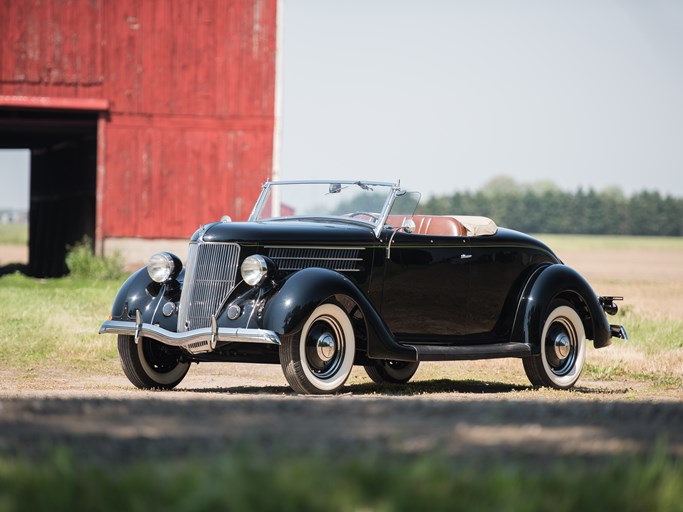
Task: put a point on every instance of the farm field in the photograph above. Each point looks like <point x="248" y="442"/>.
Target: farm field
<point x="62" y="387"/>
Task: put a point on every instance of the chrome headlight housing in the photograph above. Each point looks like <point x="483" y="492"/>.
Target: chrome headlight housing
<point x="163" y="266"/>
<point x="255" y="269"/>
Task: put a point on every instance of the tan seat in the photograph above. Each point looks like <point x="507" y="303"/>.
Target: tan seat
<point x="437" y="225"/>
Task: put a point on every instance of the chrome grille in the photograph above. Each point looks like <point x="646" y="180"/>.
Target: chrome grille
<point x="332" y="258"/>
<point x="210" y="274"/>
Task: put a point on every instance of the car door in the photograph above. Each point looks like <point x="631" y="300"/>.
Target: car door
<point x="426" y="287"/>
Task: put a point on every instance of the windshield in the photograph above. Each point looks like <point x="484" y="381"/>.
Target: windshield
<point x="360" y="201"/>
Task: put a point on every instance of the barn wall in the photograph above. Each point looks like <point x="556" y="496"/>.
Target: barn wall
<point x="190" y="85"/>
<point x="181" y="175"/>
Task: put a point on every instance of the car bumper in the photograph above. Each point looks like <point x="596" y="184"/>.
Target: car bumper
<point x="196" y="341"/>
<point x="618" y="331"/>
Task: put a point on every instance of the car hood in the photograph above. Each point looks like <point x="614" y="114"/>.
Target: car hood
<point x="290" y="232"/>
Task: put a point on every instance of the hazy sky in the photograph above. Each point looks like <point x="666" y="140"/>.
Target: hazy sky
<point x="445" y="95"/>
<point x="14" y="179"/>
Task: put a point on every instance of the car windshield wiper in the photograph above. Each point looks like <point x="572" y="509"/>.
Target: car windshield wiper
<point x="364" y="186"/>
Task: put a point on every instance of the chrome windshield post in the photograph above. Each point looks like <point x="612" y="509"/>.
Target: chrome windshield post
<point x="258" y="206"/>
<point x="395" y="189"/>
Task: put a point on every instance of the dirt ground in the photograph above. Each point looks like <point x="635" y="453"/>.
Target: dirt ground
<point x="481" y="409"/>
<point x="226" y="407"/>
<point x="13" y="253"/>
<point x="651" y="282"/>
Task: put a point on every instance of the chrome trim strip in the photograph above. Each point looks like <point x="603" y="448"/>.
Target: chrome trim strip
<point x="196" y="341"/>
<point x="326" y="247"/>
<point x="318" y="259"/>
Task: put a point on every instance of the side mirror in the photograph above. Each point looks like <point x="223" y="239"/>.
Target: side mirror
<point x="225" y="219"/>
<point x="408" y="226"/>
<point x="335" y="188"/>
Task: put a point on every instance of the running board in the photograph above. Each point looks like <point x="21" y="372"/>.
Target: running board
<point x="460" y="352"/>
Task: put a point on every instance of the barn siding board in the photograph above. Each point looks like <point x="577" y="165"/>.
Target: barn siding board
<point x="190" y="84"/>
<point x="173" y="181"/>
<point x="44" y="42"/>
<point x="16" y="43"/>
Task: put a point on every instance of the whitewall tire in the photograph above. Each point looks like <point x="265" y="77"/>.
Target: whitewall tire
<point x="563" y="349"/>
<point x="150" y="364"/>
<point x="319" y="359"/>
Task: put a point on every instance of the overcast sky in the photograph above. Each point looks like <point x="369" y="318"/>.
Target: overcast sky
<point x="444" y="95"/>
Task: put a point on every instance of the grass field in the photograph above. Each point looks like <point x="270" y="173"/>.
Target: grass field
<point x="53" y="323"/>
<point x="247" y="481"/>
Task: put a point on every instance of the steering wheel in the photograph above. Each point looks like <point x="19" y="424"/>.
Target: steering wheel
<point x="367" y="214"/>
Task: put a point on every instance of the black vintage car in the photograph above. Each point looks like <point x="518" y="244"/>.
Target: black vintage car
<point x="329" y="274"/>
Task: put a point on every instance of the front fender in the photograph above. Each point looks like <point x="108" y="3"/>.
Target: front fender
<point x="139" y="292"/>
<point x="559" y="281"/>
<point x="288" y="308"/>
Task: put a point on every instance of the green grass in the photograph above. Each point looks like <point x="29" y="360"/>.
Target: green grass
<point x="54" y="322"/>
<point x="14" y="234"/>
<point x="83" y="264"/>
<point x="651" y="335"/>
<point x="248" y="481"/>
<point x="655" y="338"/>
<point x="561" y="243"/>
<point x="658" y="380"/>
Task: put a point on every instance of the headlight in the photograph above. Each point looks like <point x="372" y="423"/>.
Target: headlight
<point x="254" y="270"/>
<point x="163" y="266"/>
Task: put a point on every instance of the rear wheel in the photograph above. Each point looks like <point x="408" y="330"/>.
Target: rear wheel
<point x="150" y="364"/>
<point x="394" y="372"/>
<point x="319" y="359"/>
<point x="563" y="349"/>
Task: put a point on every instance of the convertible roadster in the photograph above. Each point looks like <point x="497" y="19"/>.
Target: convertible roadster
<point x="326" y="275"/>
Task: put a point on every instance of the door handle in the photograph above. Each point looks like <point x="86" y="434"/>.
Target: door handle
<point x="465" y="256"/>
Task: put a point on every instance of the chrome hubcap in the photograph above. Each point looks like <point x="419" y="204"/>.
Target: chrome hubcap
<point x="562" y="345"/>
<point x="326" y="347"/>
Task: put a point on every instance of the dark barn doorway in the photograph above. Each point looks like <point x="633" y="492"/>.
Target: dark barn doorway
<point x="63" y="180"/>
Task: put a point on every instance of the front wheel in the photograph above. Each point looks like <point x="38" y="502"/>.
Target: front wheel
<point x="563" y="349"/>
<point x="150" y="364"/>
<point x="393" y="372"/>
<point x="319" y="359"/>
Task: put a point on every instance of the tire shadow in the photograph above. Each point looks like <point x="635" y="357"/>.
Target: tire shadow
<point x="426" y="387"/>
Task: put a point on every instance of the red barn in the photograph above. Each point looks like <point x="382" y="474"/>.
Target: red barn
<point x="144" y="118"/>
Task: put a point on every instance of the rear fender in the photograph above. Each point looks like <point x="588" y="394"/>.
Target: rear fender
<point x="559" y="281"/>
<point x="292" y="303"/>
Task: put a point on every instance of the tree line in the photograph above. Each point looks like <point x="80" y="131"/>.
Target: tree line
<point x="543" y="208"/>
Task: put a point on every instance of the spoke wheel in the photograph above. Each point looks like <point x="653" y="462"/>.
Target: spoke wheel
<point x="393" y="372"/>
<point x="319" y="359"/>
<point x="563" y="349"/>
<point x="150" y="364"/>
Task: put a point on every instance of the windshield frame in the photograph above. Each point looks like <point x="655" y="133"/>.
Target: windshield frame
<point x="395" y="189"/>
